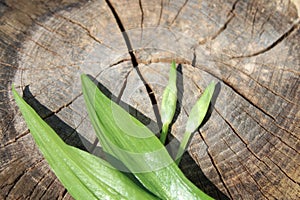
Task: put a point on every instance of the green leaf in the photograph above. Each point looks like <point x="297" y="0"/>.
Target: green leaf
<point x="84" y="175"/>
<point x="168" y="105"/>
<point x="127" y="139"/>
<point x="196" y="117"/>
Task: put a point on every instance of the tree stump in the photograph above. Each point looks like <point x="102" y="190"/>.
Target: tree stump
<point x="248" y="148"/>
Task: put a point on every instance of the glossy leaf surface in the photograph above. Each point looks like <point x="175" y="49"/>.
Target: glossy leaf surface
<point x="127" y="139"/>
<point x="196" y="117"/>
<point x="84" y="175"/>
<point x="168" y="105"/>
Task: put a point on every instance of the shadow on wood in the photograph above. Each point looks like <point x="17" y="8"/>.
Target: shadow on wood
<point x="71" y="137"/>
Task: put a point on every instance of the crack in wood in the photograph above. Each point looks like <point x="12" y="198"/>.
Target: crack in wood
<point x="271" y="143"/>
<point x="34" y="165"/>
<point x="51" y="183"/>
<point x="230" y="16"/>
<point x="283" y="171"/>
<point x="184" y="61"/>
<point x="52" y="113"/>
<point x="164" y="60"/>
<point x="135" y="63"/>
<point x="142" y="11"/>
<point x="253" y="21"/>
<point x="212" y="160"/>
<point x="259" y="186"/>
<point x="194" y="60"/>
<point x="292" y="157"/>
<point x="64" y="193"/>
<point x="95" y="143"/>
<point x="247" y="99"/>
<point x="208" y="153"/>
<point x="285" y="35"/>
<point x="241" y="138"/>
<point x="116" y="16"/>
<point x="142" y="19"/>
<point x="54" y="31"/>
<point x="87" y="30"/>
<point x="55" y="112"/>
<point x="178" y="13"/>
<point x="123" y="87"/>
<point x="14" y="140"/>
<point x="24" y="172"/>
<point x="270" y="132"/>
<point x="44" y="47"/>
<point x="263" y="24"/>
<point x="233" y="8"/>
<point x="33" y="19"/>
<point x="152" y="99"/>
<point x="247" y="170"/>
<point x="17" y="48"/>
<point x="258" y="83"/>
<point x="276" y="67"/>
<point x="160" y="12"/>
<point x="51" y="30"/>
<point x="38" y="183"/>
<point x="8" y="65"/>
<point x="223" y="28"/>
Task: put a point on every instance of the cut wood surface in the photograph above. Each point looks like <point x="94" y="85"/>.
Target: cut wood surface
<point x="248" y="148"/>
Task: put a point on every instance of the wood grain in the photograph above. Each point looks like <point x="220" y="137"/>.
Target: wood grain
<point x="249" y="146"/>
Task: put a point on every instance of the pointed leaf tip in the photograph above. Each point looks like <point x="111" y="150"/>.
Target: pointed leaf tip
<point x="84" y="175"/>
<point x="145" y="157"/>
<point x="196" y="117"/>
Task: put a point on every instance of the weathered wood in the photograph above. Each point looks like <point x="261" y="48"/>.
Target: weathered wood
<point x="248" y="148"/>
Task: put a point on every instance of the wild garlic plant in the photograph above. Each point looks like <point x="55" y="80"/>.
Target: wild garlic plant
<point x="156" y="174"/>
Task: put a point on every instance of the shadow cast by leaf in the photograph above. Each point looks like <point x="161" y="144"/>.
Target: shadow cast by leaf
<point x="66" y="132"/>
<point x="188" y="164"/>
<point x="71" y="137"/>
<point x="131" y="110"/>
<point x="180" y="91"/>
<point x="194" y="173"/>
<point x="212" y="103"/>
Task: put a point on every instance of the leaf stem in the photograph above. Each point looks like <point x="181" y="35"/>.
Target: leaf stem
<point x="164" y="133"/>
<point x="182" y="147"/>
